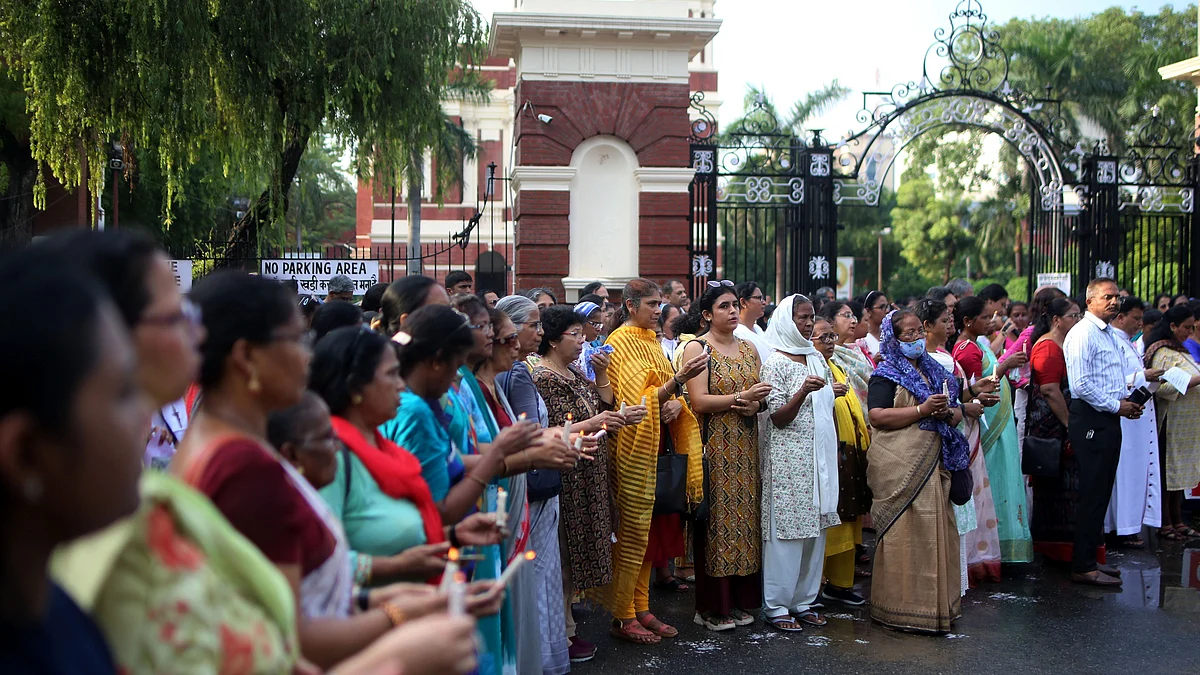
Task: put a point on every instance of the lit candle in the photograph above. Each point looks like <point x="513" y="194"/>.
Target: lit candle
<point x="579" y="442"/>
<point x="603" y="431"/>
<point x="501" y="506"/>
<point x="567" y="430"/>
<point x="457" y="593"/>
<point x="521" y="417"/>
<point x="451" y="569"/>
<point x="511" y="572"/>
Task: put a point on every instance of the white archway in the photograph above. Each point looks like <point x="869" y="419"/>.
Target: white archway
<point x="604" y="210"/>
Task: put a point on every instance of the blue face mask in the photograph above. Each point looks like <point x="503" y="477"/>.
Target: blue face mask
<point x="913" y="350"/>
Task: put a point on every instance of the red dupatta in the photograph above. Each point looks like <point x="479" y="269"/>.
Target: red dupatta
<point x="396" y="471"/>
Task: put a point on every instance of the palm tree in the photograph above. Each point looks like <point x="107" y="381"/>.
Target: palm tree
<point x="766" y="138"/>
<point x="449" y="146"/>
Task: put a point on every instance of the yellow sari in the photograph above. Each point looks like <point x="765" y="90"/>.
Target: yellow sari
<point x="637" y="369"/>
<point x="853" y="431"/>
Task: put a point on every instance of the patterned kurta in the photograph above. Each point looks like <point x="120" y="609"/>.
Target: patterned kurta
<point x="790" y="461"/>
<point x="585" y="502"/>
<point x="734" y="536"/>
<point x="1178" y="423"/>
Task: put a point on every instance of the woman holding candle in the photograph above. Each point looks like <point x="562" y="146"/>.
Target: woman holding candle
<point x="800" y="479"/>
<point x="638" y="368"/>
<point x="727" y="395"/>
<point x="550" y="452"/>
<point x="585" y="503"/>
<point x="999" y="436"/>
<point x="979" y="540"/>
<point x="852" y="360"/>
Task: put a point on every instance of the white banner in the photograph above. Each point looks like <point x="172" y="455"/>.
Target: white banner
<point x="1061" y="280"/>
<point x="845" y="278"/>
<point x="312" y="276"/>
<point x="182" y="269"/>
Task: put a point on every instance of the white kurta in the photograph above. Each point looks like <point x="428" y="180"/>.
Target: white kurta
<point x="1137" y="493"/>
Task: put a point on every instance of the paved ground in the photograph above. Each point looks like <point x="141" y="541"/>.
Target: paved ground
<point x="1036" y="621"/>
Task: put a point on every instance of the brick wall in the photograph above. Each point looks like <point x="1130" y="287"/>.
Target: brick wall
<point x="652" y="118"/>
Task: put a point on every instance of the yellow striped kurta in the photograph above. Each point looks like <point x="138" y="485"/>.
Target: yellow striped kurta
<point x="638" y="368"/>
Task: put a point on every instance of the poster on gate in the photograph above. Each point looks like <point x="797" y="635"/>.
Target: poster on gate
<point x="1061" y="281"/>
<point x="313" y="275"/>
<point x="182" y="270"/>
<point x="845" y="278"/>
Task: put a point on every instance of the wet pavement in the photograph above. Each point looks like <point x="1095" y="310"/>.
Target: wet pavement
<point x="1035" y="621"/>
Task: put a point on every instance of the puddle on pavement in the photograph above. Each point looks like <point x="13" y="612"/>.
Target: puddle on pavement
<point x="1173" y="585"/>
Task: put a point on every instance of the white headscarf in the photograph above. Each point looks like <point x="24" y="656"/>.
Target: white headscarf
<point x="783" y="335"/>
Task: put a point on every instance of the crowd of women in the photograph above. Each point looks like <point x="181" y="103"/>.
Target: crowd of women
<point x="431" y="486"/>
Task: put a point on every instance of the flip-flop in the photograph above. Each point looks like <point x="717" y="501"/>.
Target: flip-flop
<point x="1186" y="532"/>
<point x="1170" y="533"/>
<point x="812" y="618"/>
<point x="786" y="623"/>
<point x="673" y="584"/>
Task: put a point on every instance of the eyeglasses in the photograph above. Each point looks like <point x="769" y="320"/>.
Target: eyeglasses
<point x="723" y="282"/>
<point x="506" y="340"/>
<point x="188" y="314"/>
<point x="486" y="328"/>
<point x="596" y="324"/>
<point x="537" y="325"/>
<point x="574" y="334"/>
<point x="758" y="297"/>
<point x="1076" y="315"/>
<point x="828" y="338"/>
<point x="909" y="336"/>
<point x="845" y="315"/>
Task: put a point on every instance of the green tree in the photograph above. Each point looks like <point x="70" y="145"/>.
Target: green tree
<point x="251" y="82"/>
<point x="18" y="171"/>
<point x="449" y="145"/>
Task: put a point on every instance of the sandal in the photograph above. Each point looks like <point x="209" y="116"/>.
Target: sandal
<point x="1186" y="532"/>
<point x="863" y="559"/>
<point x="1170" y="533"/>
<point x="812" y="618"/>
<point x="862" y="574"/>
<point x="652" y="624"/>
<point x="786" y="623"/>
<point x="633" y="632"/>
<point x="686" y="573"/>
<point x="714" y="623"/>
<point x="1137" y="542"/>
<point x="741" y="617"/>
<point x="672" y="584"/>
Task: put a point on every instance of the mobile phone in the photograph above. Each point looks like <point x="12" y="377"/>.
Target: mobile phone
<point x="1139" y="396"/>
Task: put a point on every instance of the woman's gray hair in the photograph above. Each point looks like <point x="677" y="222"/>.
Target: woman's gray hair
<point x="517" y="307"/>
<point x="535" y="293"/>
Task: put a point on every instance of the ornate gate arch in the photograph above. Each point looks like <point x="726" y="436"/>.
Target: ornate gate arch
<point x="1092" y="213"/>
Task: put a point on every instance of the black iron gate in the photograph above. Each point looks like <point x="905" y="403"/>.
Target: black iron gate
<point x="765" y="203"/>
<point x="761" y="205"/>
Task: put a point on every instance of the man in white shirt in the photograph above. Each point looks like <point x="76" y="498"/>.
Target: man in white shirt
<point x="1099" y="392"/>
<point x="1137" y="494"/>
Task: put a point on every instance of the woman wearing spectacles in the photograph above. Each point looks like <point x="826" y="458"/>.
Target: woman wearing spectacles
<point x="1052" y="516"/>
<point x="727" y="396"/>
<point x="854" y="499"/>
<point x="585" y="527"/>
<point x="875" y="307"/>
<point x="1001" y="452"/>
<point x="846" y="354"/>
<point x="917" y="466"/>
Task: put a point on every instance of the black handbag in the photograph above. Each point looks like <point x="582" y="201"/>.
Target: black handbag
<point x="670" y="487"/>
<point x="1041" y="456"/>
<point x="853" y="493"/>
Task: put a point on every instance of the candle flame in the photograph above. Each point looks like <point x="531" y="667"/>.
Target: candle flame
<point x="604" y="426"/>
<point x="522" y="417"/>
<point x="530" y="555"/>
<point x="452" y="555"/>
<point x="570" y="417"/>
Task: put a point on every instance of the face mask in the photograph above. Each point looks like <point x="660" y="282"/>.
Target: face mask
<point x="913" y="350"/>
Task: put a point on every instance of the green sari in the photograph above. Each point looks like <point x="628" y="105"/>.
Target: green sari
<point x="1002" y="455"/>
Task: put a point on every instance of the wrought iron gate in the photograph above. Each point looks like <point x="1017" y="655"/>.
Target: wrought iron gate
<point x="761" y="205"/>
<point x="765" y="203"/>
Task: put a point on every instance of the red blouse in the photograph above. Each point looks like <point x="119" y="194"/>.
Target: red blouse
<point x="968" y="355"/>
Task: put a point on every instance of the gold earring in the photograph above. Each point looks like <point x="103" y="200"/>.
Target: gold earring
<point x="300" y="469"/>
<point x="356" y="399"/>
<point x="254" y="385"/>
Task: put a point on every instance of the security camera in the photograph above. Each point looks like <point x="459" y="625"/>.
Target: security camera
<point x="545" y="119"/>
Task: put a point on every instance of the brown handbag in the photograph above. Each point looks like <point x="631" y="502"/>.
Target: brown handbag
<point x="854" y="496"/>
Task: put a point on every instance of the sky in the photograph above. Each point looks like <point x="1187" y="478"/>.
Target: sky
<point x="792" y="47"/>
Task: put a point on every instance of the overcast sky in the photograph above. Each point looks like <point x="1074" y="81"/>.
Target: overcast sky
<point x="791" y="47"/>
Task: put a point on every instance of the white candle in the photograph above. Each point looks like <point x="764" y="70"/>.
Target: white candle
<point x="451" y="569"/>
<point x="602" y="433"/>
<point x="521" y="417"/>
<point x="457" y="592"/>
<point x="511" y="572"/>
<point x="945" y="387"/>
<point x="501" y="506"/>
<point x="643" y="401"/>
<point x="567" y="430"/>
<point x="579" y="442"/>
<point x="622" y="407"/>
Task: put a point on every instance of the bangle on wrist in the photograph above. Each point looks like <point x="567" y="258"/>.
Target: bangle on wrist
<point x="362" y="568"/>
<point x="452" y="536"/>
<point x="479" y="480"/>
<point x="394" y="613"/>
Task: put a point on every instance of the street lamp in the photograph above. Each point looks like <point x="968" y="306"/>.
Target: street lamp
<point x="879" y="238"/>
